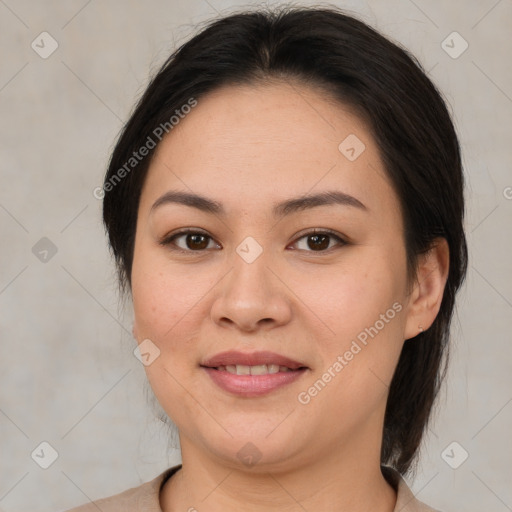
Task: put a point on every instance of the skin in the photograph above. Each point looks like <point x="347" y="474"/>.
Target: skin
<point x="249" y="147"/>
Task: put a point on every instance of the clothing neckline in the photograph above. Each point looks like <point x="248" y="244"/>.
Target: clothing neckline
<point x="392" y="476"/>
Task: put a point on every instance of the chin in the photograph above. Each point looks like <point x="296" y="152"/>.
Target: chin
<point x="255" y="449"/>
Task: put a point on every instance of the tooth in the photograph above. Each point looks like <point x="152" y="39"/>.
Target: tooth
<point x="242" y="369"/>
<point x="231" y="368"/>
<point x="221" y="368"/>
<point x="273" y="368"/>
<point x="284" y="369"/>
<point x="259" y="369"/>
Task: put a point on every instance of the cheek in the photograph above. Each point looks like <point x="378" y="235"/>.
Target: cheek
<point x="166" y="310"/>
<point x="170" y="303"/>
<point x="159" y="294"/>
<point x="362" y="305"/>
<point x="353" y="295"/>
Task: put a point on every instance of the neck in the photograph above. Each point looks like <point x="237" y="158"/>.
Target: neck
<point x="338" y="480"/>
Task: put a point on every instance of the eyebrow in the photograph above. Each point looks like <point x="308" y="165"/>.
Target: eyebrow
<point x="281" y="209"/>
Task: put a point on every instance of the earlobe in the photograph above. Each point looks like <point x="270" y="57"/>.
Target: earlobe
<point x="427" y="293"/>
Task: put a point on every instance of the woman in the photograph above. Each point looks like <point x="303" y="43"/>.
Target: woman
<point x="285" y="207"/>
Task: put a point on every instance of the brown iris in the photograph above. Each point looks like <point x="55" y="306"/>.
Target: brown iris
<point x="318" y="242"/>
<point x="196" y="241"/>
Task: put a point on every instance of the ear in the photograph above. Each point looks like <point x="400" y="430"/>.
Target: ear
<point x="427" y="292"/>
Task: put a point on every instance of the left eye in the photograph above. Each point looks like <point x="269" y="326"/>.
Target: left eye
<point x="319" y="241"/>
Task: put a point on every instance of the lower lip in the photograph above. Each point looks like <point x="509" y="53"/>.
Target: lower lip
<point x="252" y="385"/>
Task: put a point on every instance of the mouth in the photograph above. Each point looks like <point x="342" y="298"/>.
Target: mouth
<point x="269" y="362"/>
<point x="252" y="374"/>
<point x="260" y="369"/>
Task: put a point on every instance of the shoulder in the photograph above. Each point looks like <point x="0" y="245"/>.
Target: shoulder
<point x="406" y="501"/>
<point x="144" y="498"/>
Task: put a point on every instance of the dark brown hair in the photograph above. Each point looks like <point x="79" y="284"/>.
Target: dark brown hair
<point x="407" y="116"/>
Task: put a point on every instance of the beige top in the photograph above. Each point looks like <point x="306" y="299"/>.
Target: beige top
<point x="146" y="497"/>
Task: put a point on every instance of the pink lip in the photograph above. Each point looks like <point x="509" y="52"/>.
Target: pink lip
<point x="252" y="385"/>
<point x="233" y="357"/>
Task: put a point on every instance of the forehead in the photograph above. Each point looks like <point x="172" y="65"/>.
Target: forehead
<point x="252" y="143"/>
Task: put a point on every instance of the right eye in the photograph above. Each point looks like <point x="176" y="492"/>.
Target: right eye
<point x="189" y="240"/>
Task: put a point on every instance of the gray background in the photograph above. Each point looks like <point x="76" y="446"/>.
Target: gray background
<point x="68" y="375"/>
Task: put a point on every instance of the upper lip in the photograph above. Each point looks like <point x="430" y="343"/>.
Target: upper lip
<point x="233" y="357"/>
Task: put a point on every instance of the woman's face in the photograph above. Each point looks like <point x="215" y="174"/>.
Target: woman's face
<point x="253" y="277"/>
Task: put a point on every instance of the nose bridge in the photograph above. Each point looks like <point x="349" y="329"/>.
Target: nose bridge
<point x="251" y="295"/>
<point x="250" y="276"/>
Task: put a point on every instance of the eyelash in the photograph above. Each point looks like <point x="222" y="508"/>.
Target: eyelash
<point x="168" y="240"/>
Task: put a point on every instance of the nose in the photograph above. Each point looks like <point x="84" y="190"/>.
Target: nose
<point x="252" y="297"/>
